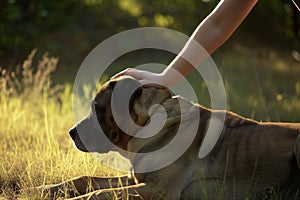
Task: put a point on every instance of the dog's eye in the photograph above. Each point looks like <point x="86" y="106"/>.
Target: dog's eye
<point x="114" y="134"/>
<point x="114" y="137"/>
<point x="111" y="119"/>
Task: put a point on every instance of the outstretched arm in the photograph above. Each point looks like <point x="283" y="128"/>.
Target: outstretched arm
<point x="211" y="33"/>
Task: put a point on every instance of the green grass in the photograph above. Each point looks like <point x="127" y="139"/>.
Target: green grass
<point x="37" y="114"/>
<point x="261" y="86"/>
<point x="257" y="86"/>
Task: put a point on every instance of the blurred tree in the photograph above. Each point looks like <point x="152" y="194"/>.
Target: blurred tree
<point x="278" y="17"/>
<point x="23" y="22"/>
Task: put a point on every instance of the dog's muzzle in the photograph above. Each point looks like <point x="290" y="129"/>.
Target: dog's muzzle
<point x="76" y="139"/>
<point x="73" y="133"/>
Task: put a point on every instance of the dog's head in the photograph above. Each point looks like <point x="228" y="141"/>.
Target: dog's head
<point x="99" y="132"/>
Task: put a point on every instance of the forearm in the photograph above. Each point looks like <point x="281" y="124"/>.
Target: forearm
<point x="214" y="30"/>
<point x="205" y="40"/>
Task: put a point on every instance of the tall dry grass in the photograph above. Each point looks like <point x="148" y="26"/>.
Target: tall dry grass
<point x="35" y="116"/>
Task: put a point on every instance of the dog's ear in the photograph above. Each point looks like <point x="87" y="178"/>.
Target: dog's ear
<point x="149" y="97"/>
<point x="125" y="88"/>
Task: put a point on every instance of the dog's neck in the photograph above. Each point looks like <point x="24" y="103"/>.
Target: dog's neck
<point x="177" y="111"/>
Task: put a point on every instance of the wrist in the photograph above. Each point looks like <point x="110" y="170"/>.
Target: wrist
<point x="170" y="76"/>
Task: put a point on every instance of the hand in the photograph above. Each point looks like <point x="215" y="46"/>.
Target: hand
<point x="146" y="78"/>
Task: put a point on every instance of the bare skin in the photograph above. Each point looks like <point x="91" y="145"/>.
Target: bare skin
<point x="211" y="33"/>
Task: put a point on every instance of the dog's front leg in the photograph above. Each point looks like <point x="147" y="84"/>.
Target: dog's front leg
<point x="126" y="192"/>
<point x="155" y="191"/>
<point x="84" y="184"/>
<point x="135" y="192"/>
<point x="69" y="188"/>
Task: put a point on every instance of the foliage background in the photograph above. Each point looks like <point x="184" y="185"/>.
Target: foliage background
<point x="80" y="25"/>
<point x="266" y="42"/>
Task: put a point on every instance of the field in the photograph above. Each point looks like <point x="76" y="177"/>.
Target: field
<point x="36" y="115"/>
<point x="35" y="119"/>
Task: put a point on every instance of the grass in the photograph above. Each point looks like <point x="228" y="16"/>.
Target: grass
<point x="36" y="115"/>
<point x="262" y="84"/>
<point x="257" y="86"/>
<point x="35" y="118"/>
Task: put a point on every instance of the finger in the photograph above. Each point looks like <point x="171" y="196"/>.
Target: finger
<point x="122" y="73"/>
<point x="135" y="73"/>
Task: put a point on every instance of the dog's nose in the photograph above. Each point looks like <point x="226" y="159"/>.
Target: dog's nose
<point x="73" y="133"/>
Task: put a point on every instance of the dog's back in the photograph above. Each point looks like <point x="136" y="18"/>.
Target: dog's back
<point x="250" y="159"/>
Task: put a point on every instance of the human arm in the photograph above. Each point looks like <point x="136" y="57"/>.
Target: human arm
<point x="211" y="33"/>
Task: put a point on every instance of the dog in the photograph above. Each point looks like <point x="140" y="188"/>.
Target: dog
<point x="249" y="160"/>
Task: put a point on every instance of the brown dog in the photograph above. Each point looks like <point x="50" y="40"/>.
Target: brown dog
<point x="248" y="159"/>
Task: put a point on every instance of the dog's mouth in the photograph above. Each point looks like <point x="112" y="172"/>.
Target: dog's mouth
<point x="80" y="146"/>
<point x="77" y="141"/>
<point x="89" y="145"/>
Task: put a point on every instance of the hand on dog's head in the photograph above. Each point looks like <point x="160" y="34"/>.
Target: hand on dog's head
<point x="123" y="99"/>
